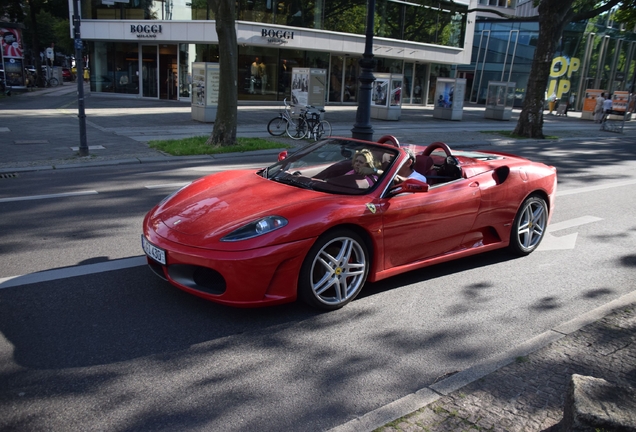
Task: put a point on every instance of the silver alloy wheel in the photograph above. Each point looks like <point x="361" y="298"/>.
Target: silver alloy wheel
<point x="531" y="224"/>
<point x="338" y="271"/>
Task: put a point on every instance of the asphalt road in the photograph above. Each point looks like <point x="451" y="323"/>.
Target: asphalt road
<point x="92" y="340"/>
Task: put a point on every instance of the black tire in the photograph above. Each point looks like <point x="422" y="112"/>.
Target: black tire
<point x="334" y="271"/>
<point x="277" y="126"/>
<point x="529" y="226"/>
<point x="53" y="82"/>
<point x="323" y="130"/>
<point x="297" y="129"/>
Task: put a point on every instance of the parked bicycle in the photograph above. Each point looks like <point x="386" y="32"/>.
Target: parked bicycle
<point x="50" y="82"/>
<point x="281" y="124"/>
<point x="317" y="127"/>
<point x="308" y="123"/>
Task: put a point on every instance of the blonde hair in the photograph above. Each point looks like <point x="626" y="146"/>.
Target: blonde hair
<point x="367" y="155"/>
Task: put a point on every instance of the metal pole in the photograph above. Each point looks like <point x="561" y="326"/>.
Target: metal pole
<point x="362" y="128"/>
<point x="79" y="67"/>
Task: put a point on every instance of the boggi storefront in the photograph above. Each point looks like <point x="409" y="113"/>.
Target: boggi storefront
<point x="143" y="48"/>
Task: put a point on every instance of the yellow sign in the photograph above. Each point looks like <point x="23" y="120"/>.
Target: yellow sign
<point x="562" y="66"/>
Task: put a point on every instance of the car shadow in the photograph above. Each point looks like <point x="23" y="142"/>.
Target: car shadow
<point x="119" y="315"/>
<point x="437" y="271"/>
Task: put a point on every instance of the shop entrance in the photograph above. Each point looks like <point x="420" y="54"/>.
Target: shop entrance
<point x="159" y="71"/>
<point x="343" y="79"/>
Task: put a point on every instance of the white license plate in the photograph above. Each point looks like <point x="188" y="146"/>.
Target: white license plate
<point x="153" y="251"/>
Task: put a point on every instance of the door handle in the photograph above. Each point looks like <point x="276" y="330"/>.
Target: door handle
<point x="474" y="184"/>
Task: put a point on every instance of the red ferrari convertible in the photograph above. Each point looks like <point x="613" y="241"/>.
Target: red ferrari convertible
<point x="334" y="214"/>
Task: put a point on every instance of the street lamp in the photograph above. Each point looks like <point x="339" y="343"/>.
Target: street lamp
<point x="79" y="68"/>
<point x="362" y="128"/>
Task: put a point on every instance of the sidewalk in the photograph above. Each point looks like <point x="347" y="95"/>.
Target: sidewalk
<point x="36" y="133"/>
<point x="522" y="390"/>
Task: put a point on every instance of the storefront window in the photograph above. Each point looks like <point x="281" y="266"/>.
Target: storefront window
<point x="187" y="52"/>
<point x="437" y="71"/>
<point x="106" y="10"/>
<point x="419" y="84"/>
<point x="114" y="67"/>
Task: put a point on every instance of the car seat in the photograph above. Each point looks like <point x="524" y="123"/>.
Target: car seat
<point x="424" y="165"/>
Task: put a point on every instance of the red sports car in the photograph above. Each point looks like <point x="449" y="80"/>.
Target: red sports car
<point x="334" y="214"/>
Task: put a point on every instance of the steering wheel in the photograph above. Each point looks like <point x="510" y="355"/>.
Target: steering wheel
<point x="389" y="139"/>
<point x="437" y="145"/>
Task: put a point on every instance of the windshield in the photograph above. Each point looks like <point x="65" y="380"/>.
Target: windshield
<point x="335" y="165"/>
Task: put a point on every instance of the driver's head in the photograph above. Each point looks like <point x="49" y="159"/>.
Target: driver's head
<point x="363" y="158"/>
<point x="407" y="168"/>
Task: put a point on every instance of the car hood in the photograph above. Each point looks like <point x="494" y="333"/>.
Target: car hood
<point x="218" y="204"/>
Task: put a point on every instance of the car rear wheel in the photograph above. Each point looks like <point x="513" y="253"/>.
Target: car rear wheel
<point x="334" y="270"/>
<point x="529" y="226"/>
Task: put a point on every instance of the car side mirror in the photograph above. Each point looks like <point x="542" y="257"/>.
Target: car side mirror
<point x="410" y="186"/>
<point x="282" y="155"/>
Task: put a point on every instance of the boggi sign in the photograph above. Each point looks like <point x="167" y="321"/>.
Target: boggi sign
<point x="277" y="36"/>
<point x="145" y="31"/>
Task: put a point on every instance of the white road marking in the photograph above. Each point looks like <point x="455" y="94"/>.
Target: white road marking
<point x="566" y="242"/>
<point x="595" y="188"/>
<point x="551" y="242"/>
<point x="572" y="223"/>
<point x="51" y="196"/>
<point x="167" y="185"/>
<point x="67" y="272"/>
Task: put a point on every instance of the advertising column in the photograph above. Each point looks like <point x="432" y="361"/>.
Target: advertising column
<point x="12" y="56"/>
<point x="590" y="102"/>
<point x="205" y="91"/>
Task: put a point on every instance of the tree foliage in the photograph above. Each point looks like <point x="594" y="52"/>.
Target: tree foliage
<point x="45" y="22"/>
<point x="553" y="17"/>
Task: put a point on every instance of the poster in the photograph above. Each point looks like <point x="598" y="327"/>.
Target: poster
<point x="198" y="84"/>
<point x="380" y="90"/>
<point x="11" y="43"/>
<point x="300" y="87"/>
<point x="590" y="99"/>
<point x="14" y="72"/>
<point x="620" y="100"/>
<point x="213" y="73"/>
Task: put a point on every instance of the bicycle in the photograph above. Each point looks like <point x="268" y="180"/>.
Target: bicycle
<point x="51" y="82"/>
<point x="285" y="123"/>
<point x="317" y="128"/>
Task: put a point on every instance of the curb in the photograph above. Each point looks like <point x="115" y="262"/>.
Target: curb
<point x="427" y="395"/>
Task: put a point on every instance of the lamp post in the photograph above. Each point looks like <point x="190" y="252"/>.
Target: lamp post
<point x="79" y="68"/>
<point x="362" y="128"/>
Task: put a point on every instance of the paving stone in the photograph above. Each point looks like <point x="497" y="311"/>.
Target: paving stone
<point x="529" y="396"/>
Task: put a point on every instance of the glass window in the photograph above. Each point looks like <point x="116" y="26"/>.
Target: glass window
<point x="114" y="67"/>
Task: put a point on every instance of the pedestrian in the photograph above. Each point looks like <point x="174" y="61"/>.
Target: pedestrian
<point x="607" y="107"/>
<point x="598" y="109"/>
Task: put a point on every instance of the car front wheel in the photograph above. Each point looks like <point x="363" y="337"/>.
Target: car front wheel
<point x="529" y="226"/>
<point x="334" y="270"/>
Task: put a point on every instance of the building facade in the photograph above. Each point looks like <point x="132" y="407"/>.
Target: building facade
<point x="596" y="54"/>
<point x="145" y="48"/>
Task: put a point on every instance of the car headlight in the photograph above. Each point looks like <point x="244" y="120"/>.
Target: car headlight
<point x="256" y="228"/>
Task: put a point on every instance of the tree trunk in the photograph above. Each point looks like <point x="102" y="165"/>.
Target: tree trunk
<point x="35" y="44"/>
<point x="553" y="17"/>
<point x="224" y="131"/>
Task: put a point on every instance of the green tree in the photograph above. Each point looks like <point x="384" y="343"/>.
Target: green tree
<point x="553" y="16"/>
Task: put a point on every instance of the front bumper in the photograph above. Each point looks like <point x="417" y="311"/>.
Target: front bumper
<point x="250" y="278"/>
